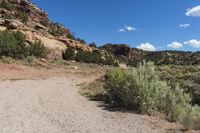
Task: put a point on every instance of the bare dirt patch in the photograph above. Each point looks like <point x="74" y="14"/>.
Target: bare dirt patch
<point x="16" y="71"/>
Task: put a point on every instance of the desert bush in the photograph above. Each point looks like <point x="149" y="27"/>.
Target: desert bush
<point x="95" y="57"/>
<point x="110" y="61"/>
<point x="80" y="40"/>
<point x="71" y="36"/>
<point x="187" y="76"/>
<point x="81" y="56"/>
<point x="7" y="5"/>
<point x="7" y="60"/>
<point x="176" y="102"/>
<point x="8" y="16"/>
<point x="88" y="57"/>
<point x="29" y="59"/>
<point x="44" y="22"/>
<point x="190" y="117"/>
<point x="23" y="16"/>
<point x="56" y="30"/>
<point x="38" y="49"/>
<point x="12" y="44"/>
<point x="115" y="86"/>
<point x="69" y="54"/>
<point x="138" y="89"/>
<point x="93" y="45"/>
<point x="196" y="77"/>
<point x="142" y="90"/>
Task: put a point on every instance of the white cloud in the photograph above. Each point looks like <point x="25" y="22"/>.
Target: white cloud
<point x="184" y="25"/>
<point x="194" y="43"/>
<point x="175" y="45"/>
<point x="127" y="29"/>
<point x="194" y="12"/>
<point x="147" y="47"/>
<point x="121" y="30"/>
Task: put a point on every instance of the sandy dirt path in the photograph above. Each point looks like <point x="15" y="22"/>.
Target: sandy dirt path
<point x="55" y="106"/>
<point x="47" y="101"/>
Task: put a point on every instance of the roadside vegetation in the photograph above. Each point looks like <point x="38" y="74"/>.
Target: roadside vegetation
<point x="142" y="90"/>
<point x="89" y="57"/>
<point x="13" y="44"/>
<point x="37" y="49"/>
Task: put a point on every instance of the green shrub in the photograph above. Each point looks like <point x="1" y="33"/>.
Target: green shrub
<point x="80" y="40"/>
<point x="116" y="86"/>
<point x="190" y="117"/>
<point x="56" y="30"/>
<point x="8" y="16"/>
<point x="176" y="102"/>
<point x="71" y="36"/>
<point x="93" y="45"/>
<point x="88" y="57"/>
<point x="110" y="61"/>
<point x="7" y="5"/>
<point x="7" y="60"/>
<point x="94" y="57"/>
<point x="138" y="89"/>
<point x="69" y="54"/>
<point x="29" y="59"/>
<point x="81" y="56"/>
<point x="38" y="49"/>
<point x="142" y="90"/>
<point x="12" y="44"/>
<point x="44" y="22"/>
<point x="23" y="16"/>
<point x="187" y="76"/>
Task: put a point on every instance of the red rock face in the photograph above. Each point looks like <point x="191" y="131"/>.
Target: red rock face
<point x="37" y="26"/>
<point x="37" y="18"/>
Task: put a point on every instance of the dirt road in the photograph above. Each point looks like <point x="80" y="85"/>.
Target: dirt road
<point x="51" y="104"/>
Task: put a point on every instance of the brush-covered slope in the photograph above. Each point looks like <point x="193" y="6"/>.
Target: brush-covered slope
<point x="133" y="56"/>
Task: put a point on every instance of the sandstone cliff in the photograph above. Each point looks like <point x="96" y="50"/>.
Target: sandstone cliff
<point x="26" y="17"/>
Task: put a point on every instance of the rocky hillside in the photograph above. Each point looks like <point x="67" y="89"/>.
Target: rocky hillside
<point x="133" y="56"/>
<point x="26" y="17"/>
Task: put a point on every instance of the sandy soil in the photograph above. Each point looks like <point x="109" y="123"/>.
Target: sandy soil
<point x="49" y="102"/>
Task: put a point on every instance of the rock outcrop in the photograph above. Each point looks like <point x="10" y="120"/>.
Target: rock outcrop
<point x="26" y="17"/>
<point x="132" y="56"/>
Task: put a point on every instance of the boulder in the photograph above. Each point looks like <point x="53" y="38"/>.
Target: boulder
<point x="40" y="27"/>
<point x="2" y="21"/>
<point x="13" y="24"/>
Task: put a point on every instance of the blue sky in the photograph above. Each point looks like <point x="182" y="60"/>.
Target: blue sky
<point x="146" y="24"/>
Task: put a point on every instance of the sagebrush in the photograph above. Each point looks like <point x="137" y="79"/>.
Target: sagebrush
<point x="141" y="89"/>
